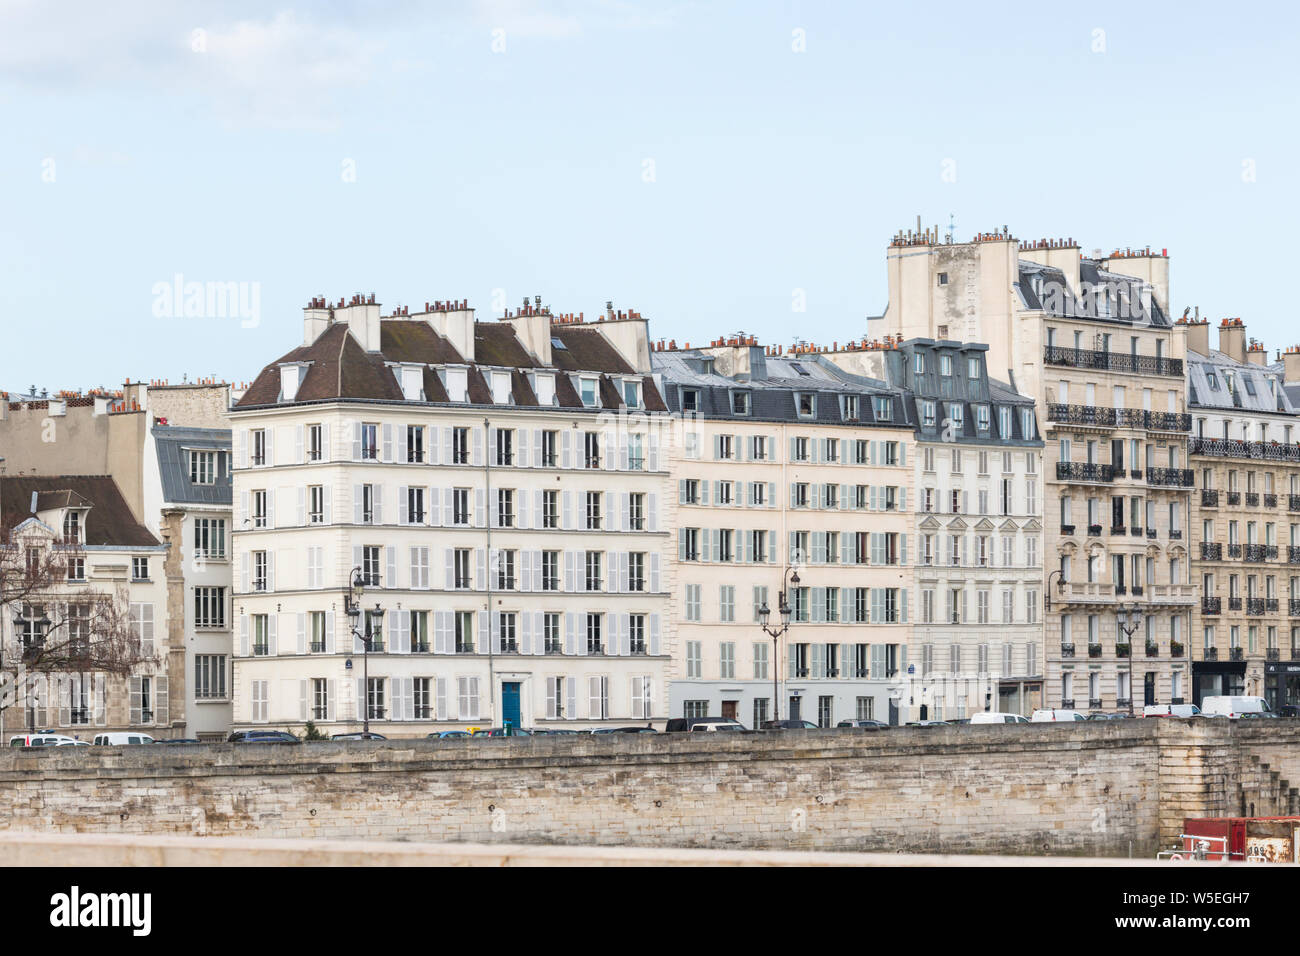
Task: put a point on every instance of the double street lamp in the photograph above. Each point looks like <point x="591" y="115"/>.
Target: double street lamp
<point x="365" y="632"/>
<point x="775" y="631"/>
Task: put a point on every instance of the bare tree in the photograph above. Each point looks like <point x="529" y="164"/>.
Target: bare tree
<point x="61" y="623"/>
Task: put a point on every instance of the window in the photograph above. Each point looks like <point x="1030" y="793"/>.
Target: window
<point x="316" y="504"/>
<point x="139" y="569"/>
<point x="598" y="697"/>
<point x="209" y="537"/>
<point x="636" y="452"/>
<point x="884" y="408"/>
<point x="636" y="511"/>
<point x="593" y="510"/>
<point x="316" y="622"/>
<point x="727" y="660"/>
<point x="550" y="570"/>
<point x="800" y="449"/>
<point x="506" y="621"/>
<point x="549" y="441"/>
<point x="587" y="388"/>
<point x="203" y="467"/>
<point x="461" y="568"/>
<point x="927" y="413"/>
<point x="850" y="408"/>
<point x="76" y="569"/>
<point x="806" y="404"/>
<point x="690" y="400"/>
<point x="460" y="506"/>
<point x="722" y="493"/>
<point x="740" y="403"/>
<point x="636" y="571"/>
<point x="693" y="668"/>
<point x="464" y="621"/>
<point x="369" y="442"/>
<point x="631" y="393"/>
<point x="918" y="363"/>
<point x="594" y="645"/>
<point x="551" y="633"/>
<point x="460" y="446"/>
<point x="209" y="607"/>
<point x="259" y="447"/>
<point x="727" y="603"/>
<point x="415" y="506"/>
<point x="693" y="602"/>
<point x="260" y="700"/>
<point x="760" y="660"/>
<point x="506" y="570"/>
<point x="415" y="443"/>
<point x="505" y="447"/>
<point x="505" y="507"/>
<point x="315" y="443"/>
<point x="550" y="509"/>
<point x="261" y="635"/>
<point x="467" y="697"/>
<point x="369" y="565"/>
<point x="760" y="447"/>
<point x="591" y="444"/>
<point x="210" y="676"/>
<point x="592" y="565"/>
<point x="636" y="633"/>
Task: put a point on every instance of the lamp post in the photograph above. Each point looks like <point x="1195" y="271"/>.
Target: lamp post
<point x="1125" y="613"/>
<point x="1060" y="587"/>
<point x="40" y="628"/>
<point x="352" y="605"/>
<point x="775" y="631"/>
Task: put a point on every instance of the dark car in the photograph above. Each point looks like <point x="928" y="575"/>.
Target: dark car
<point x="262" y="737"/>
<point x="359" y="736"/>
<point x="439" y="735"/>
<point x="1289" y="710"/>
<point x="502" y="732"/>
<point x="864" y="724"/>
<point x="927" y="723"/>
<point x="625" y="730"/>
<point x="179" y="740"/>
<point x="788" y="725"/>
<point x="555" y="733"/>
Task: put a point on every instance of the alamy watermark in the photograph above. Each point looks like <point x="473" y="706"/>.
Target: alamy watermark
<point x="179" y="299"/>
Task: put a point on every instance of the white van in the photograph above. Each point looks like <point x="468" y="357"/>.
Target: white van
<point x="40" y="740"/>
<point x="1048" y="716"/>
<point x="993" y="717"/>
<point x="1171" y="710"/>
<point x="1234" y="706"/>
<point x="118" y="739"/>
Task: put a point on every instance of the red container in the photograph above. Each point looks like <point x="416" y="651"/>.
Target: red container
<point x="1260" y="839"/>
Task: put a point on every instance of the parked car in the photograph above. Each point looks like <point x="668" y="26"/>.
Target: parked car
<point x="440" y="735"/>
<point x="1171" y="710"/>
<point x="1261" y="713"/>
<point x="119" y="738"/>
<point x="788" y="725"/>
<point x="996" y="717"/>
<point x="73" y="743"/>
<point x="625" y="730"/>
<point x="1231" y="706"/>
<point x="864" y="724"/>
<point x="679" y="724"/>
<point x="40" y="740"/>
<point x="1047" y="716"/>
<point x="716" y="725"/>
<point x="262" y="737"/>
<point x="358" y="736"/>
<point x="1289" y="710"/>
<point x="926" y="723"/>
<point x="556" y="733"/>
<point x="179" y="740"/>
<point x="501" y="732"/>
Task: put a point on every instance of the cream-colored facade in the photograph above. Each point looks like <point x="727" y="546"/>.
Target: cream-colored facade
<point x="768" y="488"/>
<point x="1246" y="516"/>
<point x="518" y="554"/>
<point x="1091" y="340"/>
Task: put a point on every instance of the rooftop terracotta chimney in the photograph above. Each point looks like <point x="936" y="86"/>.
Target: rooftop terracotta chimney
<point x="1232" y="339"/>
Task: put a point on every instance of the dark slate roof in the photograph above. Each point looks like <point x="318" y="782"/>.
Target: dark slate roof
<point x="1060" y="301"/>
<point x="410" y="340"/>
<point x="339" y="368"/>
<point x="495" y="343"/>
<point x="174" y="464"/>
<point x="772" y="386"/>
<point x="1207" y="386"/>
<point x="586" y="350"/>
<point x="110" y="521"/>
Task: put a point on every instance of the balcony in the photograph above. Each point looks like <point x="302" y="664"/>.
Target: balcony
<point x="1121" y="589"/>
<point x="1137" y="532"/>
<point x="1252" y="499"/>
<point x="1271" y="654"/>
<point x="1169" y="421"/>
<point x="1151" y="532"/>
<point x="1258" y="450"/>
<point x="1270" y="605"/>
<point x="1234" y="550"/>
<point x="1083" y="471"/>
<point x="1153" y="650"/>
<point x="1088" y="592"/>
<point x="1292" y="554"/>
<point x="1211" y="551"/>
<point x="1211" y="605"/>
<point x="1114" y="361"/>
<point x="1175" y="649"/>
<point x="1136" y="590"/>
<point x="1067" y="650"/>
<point x="1234" y="498"/>
<point x="1094" y="531"/>
<point x="1094" y="650"/>
<point x="1293" y="502"/>
<point x="1094" y="703"/>
<point x="1182" y="594"/>
<point x="1237" y="653"/>
<point x="1118" y="529"/>
<point x="1086" y="415"/>
<point x="1067" y="704"/>
<point x="1293" y="607"/>
<point x="1255" y="553"/>
<point x="1175" y="534"/>
<point x="1270" y="501"/>
<point x="1209" y="498"/>
<point x="1171" y="477"/>
<point x="1234" y="604"/>
<point x="1123" y="703"/>
<point x="1067" y="530"/>
<point x="1122" y="649"/>
<point x="1210" y="653"/>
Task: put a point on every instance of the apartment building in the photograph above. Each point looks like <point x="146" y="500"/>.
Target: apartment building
<point x="977" y="632"/>
<point x="1091" y="340"/>
<point x="82" y="582"/>
<point x="1246" y="515"/>
<point x="793" y="483"/>
<point x="490" y="492"/>
<point x="187" y="480"/>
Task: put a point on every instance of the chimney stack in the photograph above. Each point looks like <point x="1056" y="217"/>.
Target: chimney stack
<point x="1198" y="333"/>
<point x="1232" y="339"/>
<point x="1255" y="353"/>
<point x="1291" y="364"/>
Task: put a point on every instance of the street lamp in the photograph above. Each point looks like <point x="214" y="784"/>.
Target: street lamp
<point x="775" y="631"/>
<point x="1127" y="612"/>
<point x="352" y="606"/>
<point x="1060" y="587"/>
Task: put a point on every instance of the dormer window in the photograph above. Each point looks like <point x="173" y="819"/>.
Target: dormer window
<point x="982" y="417"/>
<point x="918" y="363"/>
<point x="72" y="526"/>
<point x="973" y="369"/>
<point x="850" y="407"/>
<point x="412" y="378"/>
<point x="1004" y="422"/>
<point x="588" y="392"/>
<point x="544" y="387"/>
<point x="740" y="403"/>
<point x="957" y="414"/>
<point x="631" y="393"/>
<point x="884" y="408"/>
<point x="500" y="388"/>
<point x="806" y="404"/>
<point x="456" y="381"/>
<point x="203" y="467"/>
<point x="927" y="414"/>
<point x="690" y="400"/>
<point x="290" y="378"/>
<point x="1027" y="423"/>
<point x="945" y="365"/>
<point x="1212" y="379"/>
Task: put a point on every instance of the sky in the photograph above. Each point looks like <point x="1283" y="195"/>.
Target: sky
<point x="710" y="165"/>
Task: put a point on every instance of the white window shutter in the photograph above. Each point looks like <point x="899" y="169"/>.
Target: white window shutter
<point x="273" y="621"/>
<point x="329" y="638"/>
<point x="303" y="684"/>
<point x="390" y="561"/>
<point x="270" y="570"/>
<point x="302" y="632"/>
<point x="388" y="442"/>
<point x="298" y="445"/>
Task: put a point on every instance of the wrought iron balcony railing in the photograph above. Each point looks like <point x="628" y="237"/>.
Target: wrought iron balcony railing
<point x="1094" y="650"/>
<point x="1237" y="653"/>
<point x="1231" y="448"/>
<point x="1175" y="649"/>
<point x="1209" y="498"/>
<point x="1083" y="471"/>
<point x="1171" y="477"/>
<point x="1254" y="606"/>
<point x="1234" y="550"/>
<point x="1210" y="653"/>
<point x="1252" y="499"/>
<point x="1234" y="497"/>
<point x="1270" y="501"/>
<point x="1293" y="502"/>
<point x="1067" y="650"/>
<point x="1211" y="605"/>
<point x="1115" y="361"/>
<point x="1293" y="607"/>
<point x="1271" y="653"/>
<point x="1234" y="604"/>
<point x="1211" y="551"/>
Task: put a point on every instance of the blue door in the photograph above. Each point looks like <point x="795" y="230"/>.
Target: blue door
<point x="510" y="705"/>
